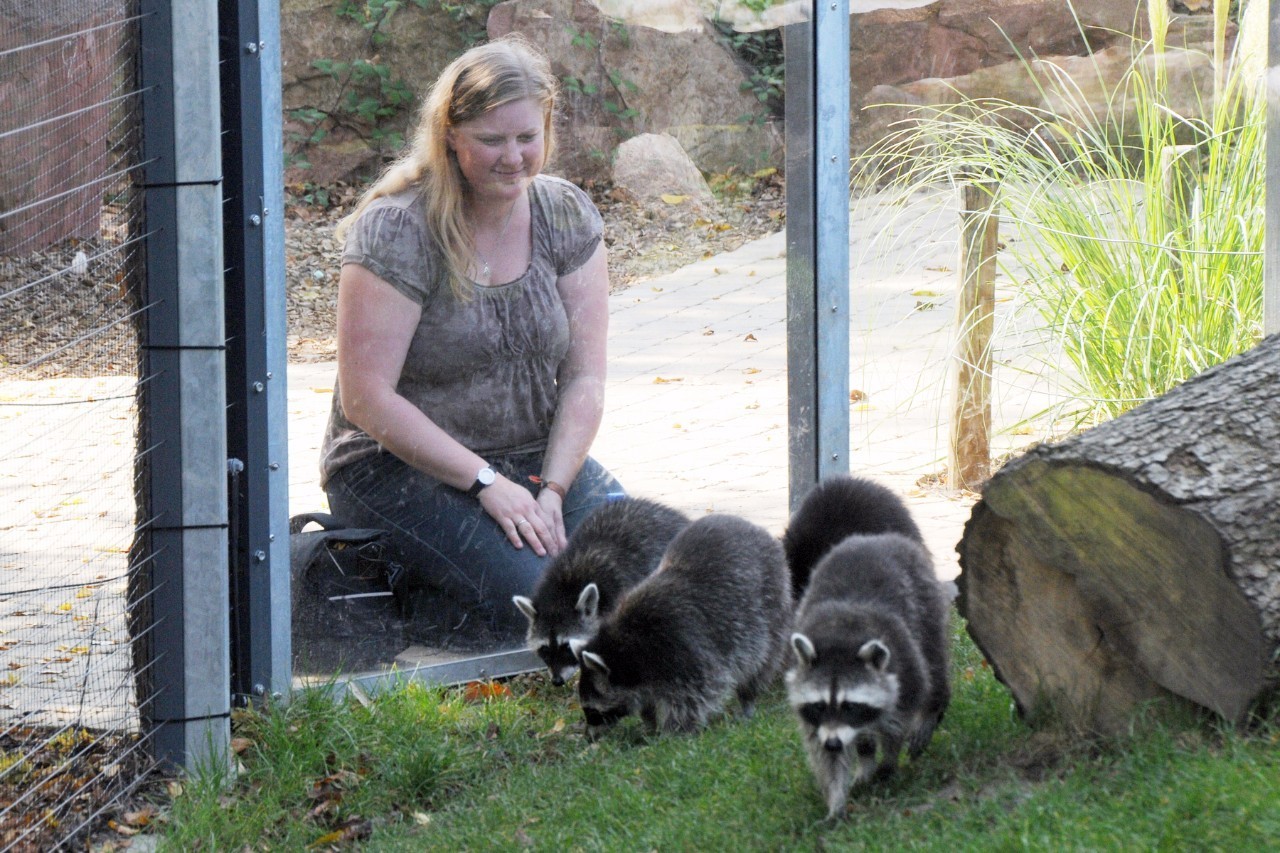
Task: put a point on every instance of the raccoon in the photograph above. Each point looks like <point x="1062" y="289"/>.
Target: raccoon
<point x="613" y="549"/>
<point x="871" y="668"/>
<point x="838" y="507"/>
<point x="713" y="620"/>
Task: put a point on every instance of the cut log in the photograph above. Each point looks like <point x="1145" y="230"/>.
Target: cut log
<point x="1139" y="560"/>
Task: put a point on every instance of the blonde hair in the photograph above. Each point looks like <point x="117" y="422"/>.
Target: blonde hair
<point x="483" y="78"/>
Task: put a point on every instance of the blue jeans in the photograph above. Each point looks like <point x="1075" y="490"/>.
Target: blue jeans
<point x="462" y="570"/>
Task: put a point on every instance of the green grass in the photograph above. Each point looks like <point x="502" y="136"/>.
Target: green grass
<point x="426" y="769"/>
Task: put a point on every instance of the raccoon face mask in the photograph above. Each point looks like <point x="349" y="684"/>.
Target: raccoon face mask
<point x="602" y="705"/>
<point x="839" y="705"/>
<point x="557" y="641"/>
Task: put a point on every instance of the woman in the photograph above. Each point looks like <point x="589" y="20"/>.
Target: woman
<point x="472" y="316"/>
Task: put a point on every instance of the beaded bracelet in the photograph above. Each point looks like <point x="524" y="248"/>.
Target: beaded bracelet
<point x="550" y="484"/>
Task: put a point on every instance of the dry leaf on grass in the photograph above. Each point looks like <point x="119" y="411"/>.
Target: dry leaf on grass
<point x="478" y="691"/>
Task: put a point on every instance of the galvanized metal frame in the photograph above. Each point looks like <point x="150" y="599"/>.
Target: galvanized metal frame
<point x="257" y="428"/>
<point x="1271" y="226"/>
<point x="183" y="541"/>
<point x="817" y="137"/>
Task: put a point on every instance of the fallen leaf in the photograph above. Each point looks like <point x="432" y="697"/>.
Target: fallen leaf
<point x="121" y="829"/>
<point x="478" y="691"/>
<point x="751" y="370"/>
<point x="749" y="337"/>
<point x="352" y="829"/>
<point x="140" y="817"/>
<point x="421" y="818"/>
<point x="856" y="396"/>
<point x="240" y="744"/>
<point x="708" y="332"/>
<point x="672" y="198"/>
<point x="662" y="380"/>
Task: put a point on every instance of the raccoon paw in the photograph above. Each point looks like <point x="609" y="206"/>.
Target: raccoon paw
<point x="837" y="804"/>
<point x="883" y="773"/>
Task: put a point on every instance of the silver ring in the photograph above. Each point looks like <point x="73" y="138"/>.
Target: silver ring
<point x="520" y="522"/>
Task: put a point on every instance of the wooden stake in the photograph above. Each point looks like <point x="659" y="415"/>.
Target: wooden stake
<point x="969" y="462"/>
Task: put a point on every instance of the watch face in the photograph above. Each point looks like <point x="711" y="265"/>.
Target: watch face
<point x="486" y="476"/>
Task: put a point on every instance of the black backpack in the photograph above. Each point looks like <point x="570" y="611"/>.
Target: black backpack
<point x="346" y="611"/>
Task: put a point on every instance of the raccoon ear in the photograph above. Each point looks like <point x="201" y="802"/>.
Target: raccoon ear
<point x="525" y="605"/>
<point x="804" y="648"/>
<point x="594" y="662"/>
<point x="875" y="653"/>
<point x="589" y="601"/>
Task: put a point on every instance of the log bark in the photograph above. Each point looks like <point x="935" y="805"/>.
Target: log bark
<point x="1139" y="560"/>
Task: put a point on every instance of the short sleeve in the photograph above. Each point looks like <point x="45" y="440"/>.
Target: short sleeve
<point x="390" y="241"/>
<point x="576" y="227"/>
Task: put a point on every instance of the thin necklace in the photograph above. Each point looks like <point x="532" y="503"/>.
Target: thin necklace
<point x="485" y="272"/>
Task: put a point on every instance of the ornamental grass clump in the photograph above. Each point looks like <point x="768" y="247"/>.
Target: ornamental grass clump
<point x="1139" y="224"/>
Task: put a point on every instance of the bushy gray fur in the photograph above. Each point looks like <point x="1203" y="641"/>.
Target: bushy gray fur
<point x="615" y="547"/>
<point x="711" y="622"/>
<point x="871" y="668"/>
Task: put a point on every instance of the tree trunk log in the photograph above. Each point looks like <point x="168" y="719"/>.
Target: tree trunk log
<point x="1139" y="560"/>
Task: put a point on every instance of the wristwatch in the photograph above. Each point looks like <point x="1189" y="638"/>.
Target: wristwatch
<point x="484" y="477"/>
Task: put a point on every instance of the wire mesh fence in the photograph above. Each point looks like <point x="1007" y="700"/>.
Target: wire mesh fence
<point x="70" y="232"/>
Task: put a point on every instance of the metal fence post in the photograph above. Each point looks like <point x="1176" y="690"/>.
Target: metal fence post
<point x="183" y="532"/>
<point x="257" y="430"/>
<point x="817" y="134"/>
<point x="1271" y="230"/>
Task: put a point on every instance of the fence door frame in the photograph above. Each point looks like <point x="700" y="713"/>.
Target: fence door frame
<point x="257" y="351"/>
<point x="818" y="299"/>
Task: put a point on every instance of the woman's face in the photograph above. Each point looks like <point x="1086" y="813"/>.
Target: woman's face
<point x="501" y="151"/>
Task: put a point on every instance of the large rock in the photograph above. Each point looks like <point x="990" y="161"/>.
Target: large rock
<point x="1036" y="84"/>
<point x="950" y="38"/>
<point x="620" y="80"/>
<point x="652" y="165"/>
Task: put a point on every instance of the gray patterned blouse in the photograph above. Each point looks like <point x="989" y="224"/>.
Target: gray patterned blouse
<point x="484" y="369"/>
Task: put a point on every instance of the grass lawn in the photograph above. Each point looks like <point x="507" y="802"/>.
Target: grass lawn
<point x="508" y="767"/>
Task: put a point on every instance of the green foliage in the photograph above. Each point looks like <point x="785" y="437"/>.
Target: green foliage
<point x="611" y="85"/>
<point x="369" y="98"/>
<point x="761" y="53"/>
<point x="1140" y="230"/>
<point x="472" y="15"/>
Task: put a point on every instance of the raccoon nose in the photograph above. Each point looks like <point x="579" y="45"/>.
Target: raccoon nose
<point x="833" y="744"/>
<point x="557" y="679"/>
